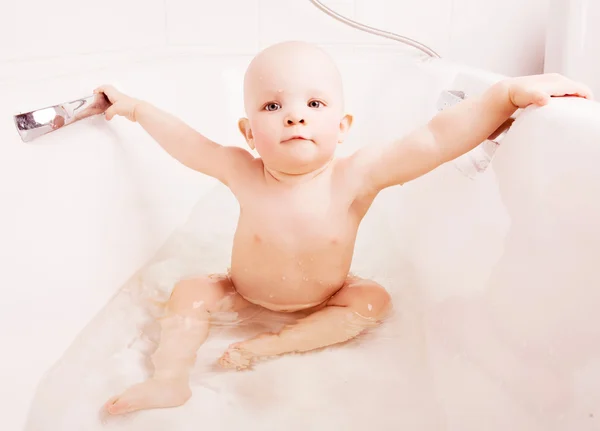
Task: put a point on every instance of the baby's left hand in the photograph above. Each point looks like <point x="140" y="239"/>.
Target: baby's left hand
<point x="537" y="89"/>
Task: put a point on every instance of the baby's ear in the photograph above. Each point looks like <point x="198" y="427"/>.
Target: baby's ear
<point x="345" y="125"/>
<point x="244" y="126"/>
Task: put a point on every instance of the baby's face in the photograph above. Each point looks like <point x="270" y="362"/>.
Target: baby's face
<point x="294" y="102"/>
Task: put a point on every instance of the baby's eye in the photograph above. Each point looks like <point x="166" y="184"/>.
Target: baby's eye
<point x="272" y="106"/>
<point x="315" y="104"/>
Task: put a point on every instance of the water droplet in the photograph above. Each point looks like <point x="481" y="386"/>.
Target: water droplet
<point x="305" y="278"/>
<point x="320" y="281"/>
<point x="370" y="307"/>
<point x="312" y="259"/>
<point x="299" y="263"/>
<point x="270" y="295"/>
<point x="280" y="91"/>
<point x="283" y="277"/>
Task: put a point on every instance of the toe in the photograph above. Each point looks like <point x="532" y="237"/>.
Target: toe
<point x="118" y="407"/>
<point x="238" y="358"/>
<point x="225" y="360"/>
<point x="110" y="402"/>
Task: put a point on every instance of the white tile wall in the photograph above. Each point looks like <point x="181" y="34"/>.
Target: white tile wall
<point x="505" y="36"/>
<point x="40" y="28"/>
<point x="227" y="25"/>
<point x="299" y="19"/>
<point x="428" y="22"/>
<point x="574" y="41"/>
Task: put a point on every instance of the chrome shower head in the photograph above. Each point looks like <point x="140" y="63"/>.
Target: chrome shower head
<point x="33" y="124"/>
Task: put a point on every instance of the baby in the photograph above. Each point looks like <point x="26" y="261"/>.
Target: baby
<point x="300" y="207"/>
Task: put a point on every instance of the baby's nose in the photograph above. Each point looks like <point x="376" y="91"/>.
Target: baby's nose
<point x="292" y="119"/>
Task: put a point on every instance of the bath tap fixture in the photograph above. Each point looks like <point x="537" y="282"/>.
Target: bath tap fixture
<point x="403" y="39"/>
<point x="33" y="124"/>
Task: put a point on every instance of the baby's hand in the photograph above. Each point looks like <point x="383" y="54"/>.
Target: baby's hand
<point x="121" y="103"/>
<point x="537" y="89"/>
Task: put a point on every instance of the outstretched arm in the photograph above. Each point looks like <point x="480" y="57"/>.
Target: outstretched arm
<point x="457" y="130"/>
<point x="178" y="139"/>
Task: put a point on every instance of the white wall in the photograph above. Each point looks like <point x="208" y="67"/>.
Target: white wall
<point x="573" y="41"/>
<point x="505" y="36"/>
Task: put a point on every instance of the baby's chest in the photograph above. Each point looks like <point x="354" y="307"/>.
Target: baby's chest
<point x="310" y="218"/>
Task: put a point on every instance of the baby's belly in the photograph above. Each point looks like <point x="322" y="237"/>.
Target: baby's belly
<point x="292" y="282"/>
<point x="289" y="294"/>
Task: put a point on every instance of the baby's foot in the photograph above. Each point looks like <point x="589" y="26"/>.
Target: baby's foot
<point x="150" y="394"/>
<point x="236" y="357"/>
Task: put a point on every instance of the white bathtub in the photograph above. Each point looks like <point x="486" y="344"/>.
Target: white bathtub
<point x="86" y="208"/>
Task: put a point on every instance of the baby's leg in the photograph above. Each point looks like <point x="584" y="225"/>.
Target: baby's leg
<point x="183" y="329"/>
<point x="359" y="305"/>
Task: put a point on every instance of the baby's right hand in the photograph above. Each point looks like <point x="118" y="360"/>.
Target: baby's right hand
<point x="121" y="103"/>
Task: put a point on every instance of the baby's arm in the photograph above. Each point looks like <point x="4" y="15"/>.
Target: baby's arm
<point x="182" y="142"/>
<point x="456" y="130"/>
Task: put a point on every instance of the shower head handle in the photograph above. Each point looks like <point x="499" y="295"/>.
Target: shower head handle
<point x="33" y="124"/>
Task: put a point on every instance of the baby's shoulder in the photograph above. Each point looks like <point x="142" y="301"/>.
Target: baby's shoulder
<point x="244" y="162"/>
<point x="350" y="179"/>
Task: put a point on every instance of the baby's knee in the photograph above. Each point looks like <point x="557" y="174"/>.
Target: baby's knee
<point x="368" y="299"/>
<point x="373" y="301"/>
<point x="200" y="294"/>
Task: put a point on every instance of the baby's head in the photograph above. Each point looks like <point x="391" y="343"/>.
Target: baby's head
<point x="294" y="89"/>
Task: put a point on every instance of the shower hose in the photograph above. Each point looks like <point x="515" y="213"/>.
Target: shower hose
<point x="375" y="31"/>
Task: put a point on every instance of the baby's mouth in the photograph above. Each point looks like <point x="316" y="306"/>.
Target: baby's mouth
<point x="296" y="138"/>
